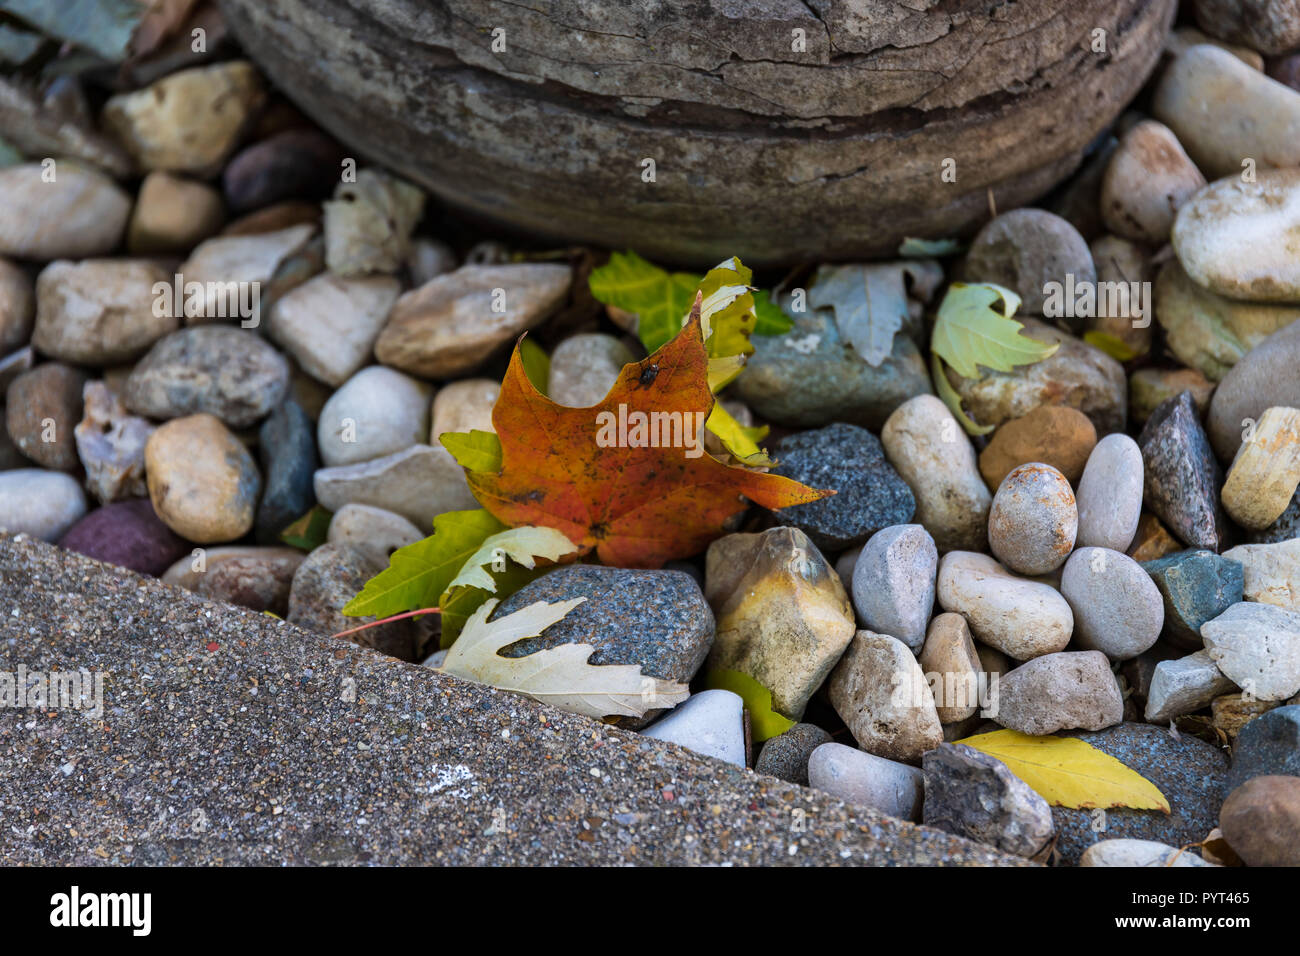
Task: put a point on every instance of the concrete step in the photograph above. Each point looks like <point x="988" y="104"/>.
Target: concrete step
<point x="232" y="737"/>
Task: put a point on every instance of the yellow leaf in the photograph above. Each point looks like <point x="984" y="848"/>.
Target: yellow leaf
<point x="1112" y="345"/>
<point x="1067" y="772"/>
<point x="742" y="442"/>
<point x="764" y="722"/>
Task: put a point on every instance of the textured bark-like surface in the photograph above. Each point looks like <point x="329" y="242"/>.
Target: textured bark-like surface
<point x="779" y="129"/>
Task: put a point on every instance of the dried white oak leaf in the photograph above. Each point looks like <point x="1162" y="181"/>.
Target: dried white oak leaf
<point x="559" y="676"/>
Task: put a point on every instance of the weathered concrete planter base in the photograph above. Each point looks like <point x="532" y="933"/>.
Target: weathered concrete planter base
<point x="779" y="131"/>
<point x="231" y="737"/>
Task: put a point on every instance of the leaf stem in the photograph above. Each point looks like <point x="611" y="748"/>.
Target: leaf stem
<point x="388" y="620"/>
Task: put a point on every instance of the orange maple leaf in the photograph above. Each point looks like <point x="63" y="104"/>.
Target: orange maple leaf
<point x="635" y="505"/>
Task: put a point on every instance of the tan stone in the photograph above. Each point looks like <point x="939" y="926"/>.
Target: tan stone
<point x="189" y="121"/>
<point x="1211" y="332"/>
<point x="1152" y="540"/>
<point x="173" y="214"/>
<point x="1149" y="387"/>
<point x="931" y="453"/>
<point x="99" y="311"/>
<point x="17" y="307"/>
<point x="1076" y="374"/>
<point x="242" y="259"/>
<point x="952" y="666"/>
<point x="1242" y="239"/>
<point x="880" y="692"/>
<point x="783" y="617"/>
<point x="1222" y="112"/>
<point x="1148" y="178"/>
<point x="203" y="483"/>
<point x="82" y="213"/>
<point x="368" y="224"/>
<point x="450" y="325"/>
<point x="1272" y="572"/>
<point x="1266" y="471"/>
<point x="1232" y="712"/>
<point x="464" y="406"/>
<point x="1184" y="37"/>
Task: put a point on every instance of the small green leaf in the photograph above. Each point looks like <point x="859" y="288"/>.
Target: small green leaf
<point x="770" y="320"/>
<point x="660" y="299"/>
<point x="475" y="450"/>
<point x="952" y="399"/>
<point x="970" y="332"/>
<point x="763" y="720"/>
<point x="310" y="531"/>
<point x="419" y="573"/>
<point x="537" y="364"/>
<point x="929" y="248"/>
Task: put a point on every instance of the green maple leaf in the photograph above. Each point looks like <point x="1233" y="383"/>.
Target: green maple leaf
<point x="419" y="573"/>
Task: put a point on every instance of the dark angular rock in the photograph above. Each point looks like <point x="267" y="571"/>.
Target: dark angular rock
<point x="974" y="795"/>
<point x="293" y="164"/>
<point x="869" y="496"/>
<point x="1197" y="586"/>
<point x="1182" y="477"/>
<point x="325" y="582"/>
<point x="287" y="445"/>
<point x="657" y="619"/>
<point x="1267" y="746"/>
<point x="1189" y="772"/>
<point x="786" y="756"/>
<point x="128" y="534"/>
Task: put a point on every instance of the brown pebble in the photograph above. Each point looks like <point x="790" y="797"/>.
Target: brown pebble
<point x="1053" y="434"/>
<point x="1261" y="821"/>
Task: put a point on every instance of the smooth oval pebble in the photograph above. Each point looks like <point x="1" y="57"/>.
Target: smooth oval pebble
<point x="584" y="368"/>
<point x="1034" y="519"/>
<point x="377" y="412"/>
<point x="893" y="583"/>
<point x="710" y="723"/>
<point x="1223" y="112"/>
<point x="1129" y="853"/>
<point x="41" y="503"/>
<point x="81" y="214"/>
<point x="1242" y="239"/>
<point x="129" y="534"/>
<point x="1117" y="608"/>
<point x="1261" y="821"/>
<point x="1148" y="178"/>
<point x="376" y="532"/>
<point x="1109" y="499"/>
<point x="1022" y="619"/>
<point x="203" y="482"/>
<point x="858" y="777"/>
<point x="932" y="454"/>
<point x="100" y="311"/>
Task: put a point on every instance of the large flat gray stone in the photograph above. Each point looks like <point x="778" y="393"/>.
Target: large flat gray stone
<point x="232" y="737"/>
